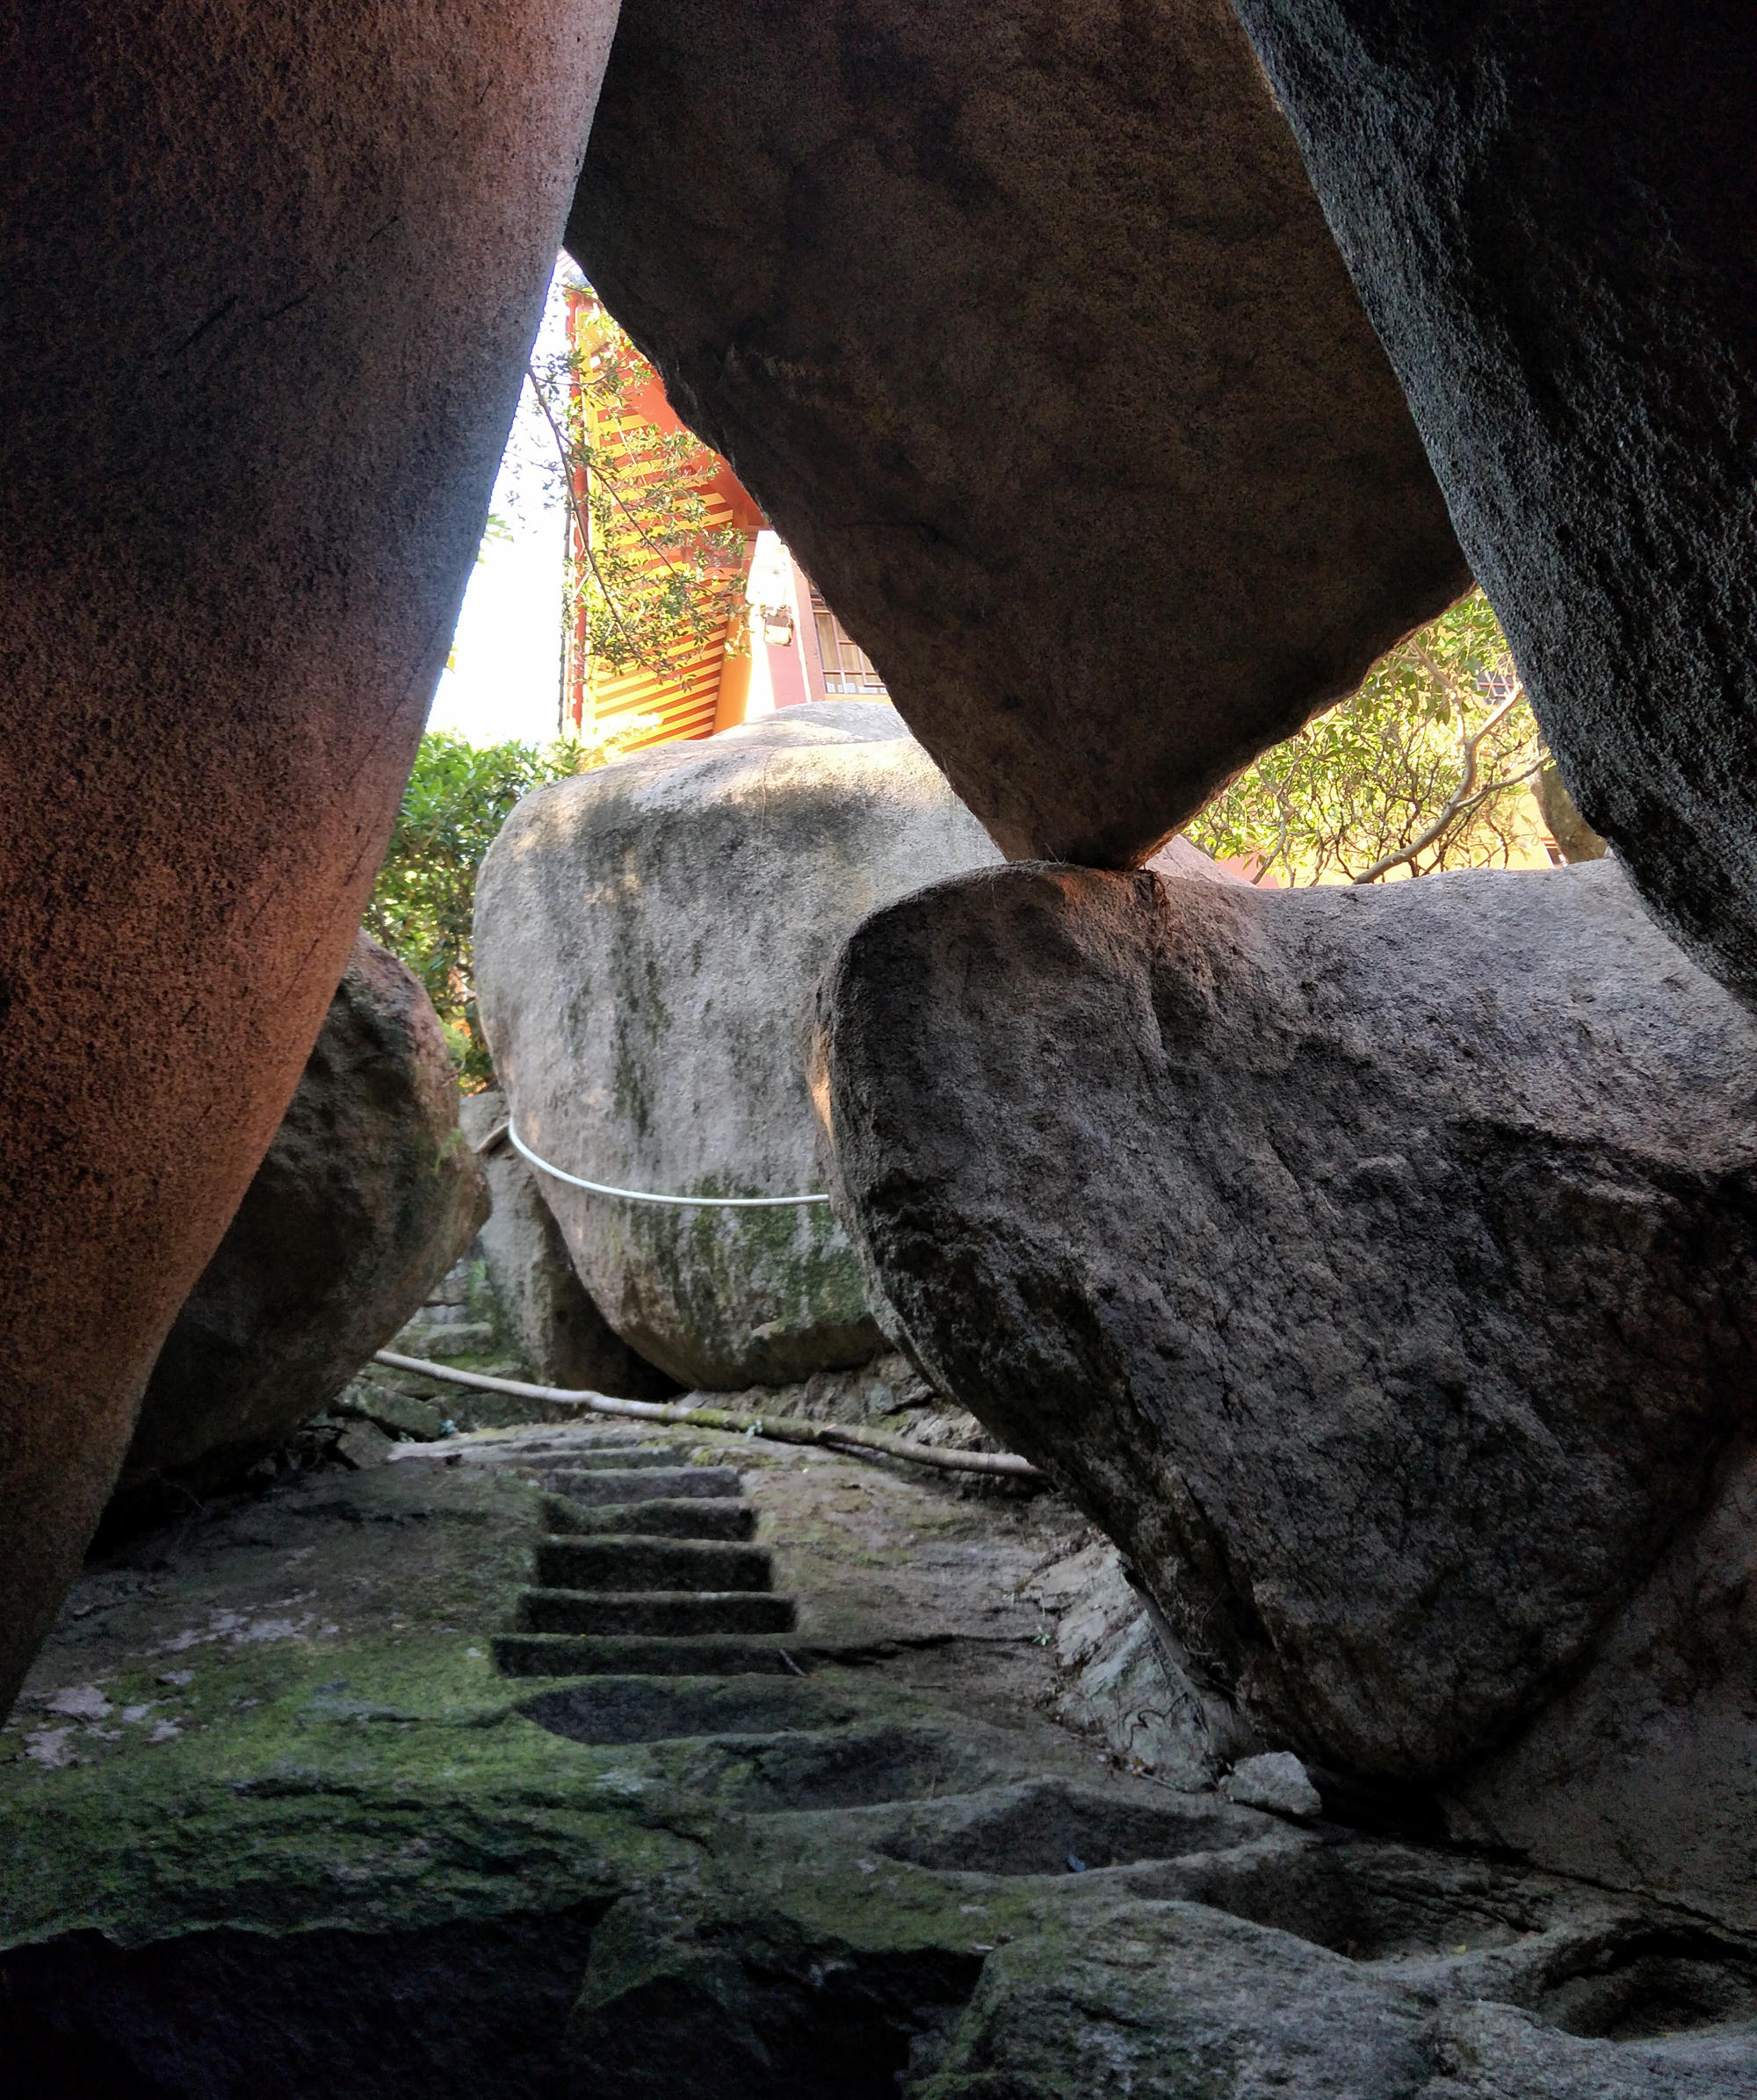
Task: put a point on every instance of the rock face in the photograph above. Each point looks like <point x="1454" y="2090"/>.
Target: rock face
<point x="1121" y="1674"/>
<point x="1024" y="326"/>
<point x="1377" y="1266"/>
<point x="1343" y="1994"/>
<point x="229" y="585"/>
<point x="647" y="937"/>
<point x="365" y="1198"/>
<point x="563" y="1338"/>
<point x="1550" y="215"/>
<point x="307" y="1861"/>
<point x="1639" y="1773"/>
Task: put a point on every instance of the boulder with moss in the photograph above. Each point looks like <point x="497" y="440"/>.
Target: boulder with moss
<point x="543" y="1309"/>
<point x="366" y="1197"/>
<point x="647" y="937"/>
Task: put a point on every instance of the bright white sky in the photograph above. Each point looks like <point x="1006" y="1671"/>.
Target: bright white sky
<point x="507" y="650"/>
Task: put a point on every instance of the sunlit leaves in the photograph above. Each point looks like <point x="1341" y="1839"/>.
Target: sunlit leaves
<point x="1367" y="779"/>
<point x="456" y="801"/>
<point x="658" y="580"/>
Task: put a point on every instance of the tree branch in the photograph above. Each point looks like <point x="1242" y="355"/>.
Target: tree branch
<point x="1455" y="801"/>
<point x="781" y="1429"/>
<point x="582" y="526"/>
<point x="1431" y="664"/>
<point x="608" y="480"/>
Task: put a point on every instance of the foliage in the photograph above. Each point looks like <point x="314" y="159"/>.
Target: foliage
<point x="456" y="801"/>
<point x="657" y="580"/>
<point x="1421" y="769"/>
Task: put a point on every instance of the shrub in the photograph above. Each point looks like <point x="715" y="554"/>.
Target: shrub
<point x="1421" y="769"/>
<point x="456" y="801"/>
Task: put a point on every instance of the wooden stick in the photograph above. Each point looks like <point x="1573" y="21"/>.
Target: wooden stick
<point x="779" y="1429"/>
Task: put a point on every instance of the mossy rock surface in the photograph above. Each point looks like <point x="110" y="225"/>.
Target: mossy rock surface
<point x="265" y="1776"/>
<point x="342" y="1753"/>
<point x="273" y="1829"/>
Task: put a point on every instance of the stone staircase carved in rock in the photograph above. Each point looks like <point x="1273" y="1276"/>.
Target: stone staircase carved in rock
<point x="647" y="1568"/>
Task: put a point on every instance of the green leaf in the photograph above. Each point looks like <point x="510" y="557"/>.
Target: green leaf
<point x="423" y="901"/>
<point x="1369" y="777"/>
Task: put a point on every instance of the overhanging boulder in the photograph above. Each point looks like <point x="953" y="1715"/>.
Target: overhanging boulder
<point x="229" y="579"/>
<point x="1550" y="212"/>
<point x="1027" y="331"/>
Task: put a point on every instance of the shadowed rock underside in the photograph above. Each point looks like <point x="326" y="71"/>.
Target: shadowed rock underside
<point x="1023" y="323"/>
<point x="1375" y="1265"/>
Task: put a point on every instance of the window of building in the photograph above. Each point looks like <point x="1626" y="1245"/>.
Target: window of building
<point x="847" y="667"/>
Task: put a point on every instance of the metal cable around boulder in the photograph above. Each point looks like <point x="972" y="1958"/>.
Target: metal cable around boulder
<point x="645" y="1195"/>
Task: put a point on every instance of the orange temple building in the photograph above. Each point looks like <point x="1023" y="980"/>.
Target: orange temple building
<point x="788" y="647"/>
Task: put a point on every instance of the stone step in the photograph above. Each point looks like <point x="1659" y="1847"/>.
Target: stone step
<point x="670" y="1613"/>
<point x="701" y="1517"/>
<point x="613" y="1458"/>
<point x="637" y="1483"/>
<point x="450" y="1337"/>
<point x="665" y="1709"/>
<point x="625" y="1564"/>
<point x="649" y="1654"/>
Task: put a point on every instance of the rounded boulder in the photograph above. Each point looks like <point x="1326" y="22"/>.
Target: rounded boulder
<point x="365" y="1198"/>
<point x="647" y="937"/>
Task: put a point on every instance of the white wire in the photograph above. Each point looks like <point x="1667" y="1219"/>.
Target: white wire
<point x="642" y="1196"/>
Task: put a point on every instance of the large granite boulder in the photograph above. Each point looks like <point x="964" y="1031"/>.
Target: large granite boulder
<point x="1551" y="215"/>
<point x="1025" y="327"/>
<point x="646" y="936"/>
<point x="563" y="1338"/>
<point x="1377" y="1266"/>
<point x="366" y="1197"/>
<point x="271" y="275"/>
